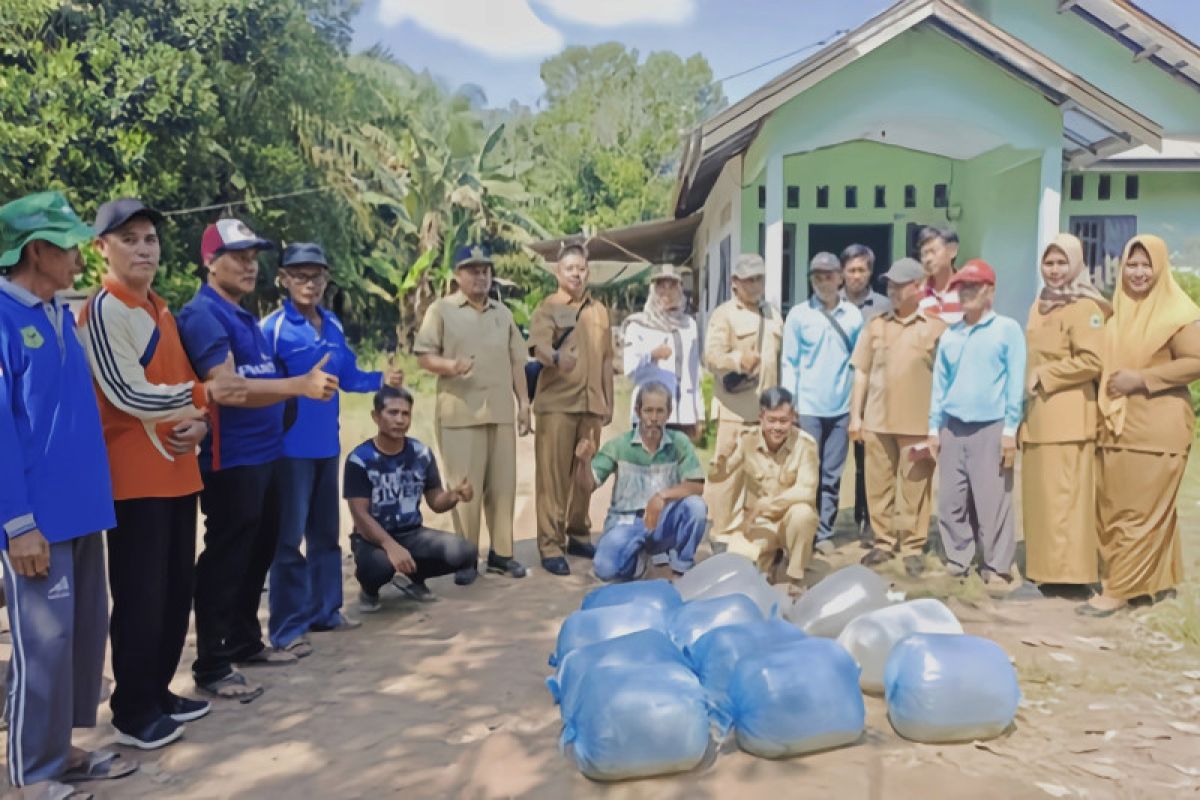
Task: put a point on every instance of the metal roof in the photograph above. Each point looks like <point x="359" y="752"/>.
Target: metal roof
<point x="660" y="241"/>
<point x="1146" y="37"/>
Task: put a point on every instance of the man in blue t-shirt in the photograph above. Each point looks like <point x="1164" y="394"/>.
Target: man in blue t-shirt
<point x="383" y="483"/>
<point x="238" y="462"/>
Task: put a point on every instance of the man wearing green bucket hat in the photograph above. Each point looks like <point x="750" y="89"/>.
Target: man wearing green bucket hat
<point x="56" y="498"/>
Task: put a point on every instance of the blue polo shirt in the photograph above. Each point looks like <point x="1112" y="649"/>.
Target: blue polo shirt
<point x="815" y="363"/>
<point x="979" y="374"/>
<point x="312" y="425"/>
<point x="53" y="464"/>
<point x="211" y="327"/>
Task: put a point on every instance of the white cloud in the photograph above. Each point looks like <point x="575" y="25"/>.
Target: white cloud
<point x="614" y="13"/>
<point x="500" y="28"/>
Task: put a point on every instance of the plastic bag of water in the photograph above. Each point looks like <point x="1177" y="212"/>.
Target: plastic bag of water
<point x="752" y="584"/>
<point x="693" y="620"/>
<point x="715" y="654"/>
<point x="711" y="571"/>
<point x="641" y="648"/>
<point x="659" y="593"/>
<point x="841" y="596"/>
<point x="606" y="622"/>
<point x="871" y="637"/>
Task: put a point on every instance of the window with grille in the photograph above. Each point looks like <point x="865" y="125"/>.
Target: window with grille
<point x="1104" y="238"/>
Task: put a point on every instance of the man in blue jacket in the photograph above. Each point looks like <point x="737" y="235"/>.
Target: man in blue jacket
<point x="55" y="498"/>
<point x="306" y="588"/>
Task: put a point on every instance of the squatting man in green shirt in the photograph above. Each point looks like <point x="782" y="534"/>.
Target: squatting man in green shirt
<point x="656" y="506"/>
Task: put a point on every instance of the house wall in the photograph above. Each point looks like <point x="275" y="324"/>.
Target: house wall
<point x="722" y="217"/>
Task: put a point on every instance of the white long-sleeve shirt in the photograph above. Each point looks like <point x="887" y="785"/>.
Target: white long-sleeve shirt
<point x="680" y="372"/>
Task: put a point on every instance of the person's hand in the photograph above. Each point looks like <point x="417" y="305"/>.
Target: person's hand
<point x="226" y="387"/>
<point x="463" y="366"/>
<point x="392" y="374"/>
<point x="464" y="491"/>
<point x="934" y="446"/>
<point x="524" y="421"/>
<point x="566" y="360"/>
<point x="401" y="559"/>
<point x="749" y="362"/>
<point x="1008" y="451"/>
<point x="585" y="449"/>
<point x="30" y="555"/>
<point x="1125" y="382"/>
<point x="855" y="429"/>
<point x="663" y="351"/>
<point x="319" y="384"/>
<point x="186" y="436"/>
<point x="654" y="508"/>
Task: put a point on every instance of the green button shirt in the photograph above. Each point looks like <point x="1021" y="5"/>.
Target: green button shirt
<point x="642" y="474"/>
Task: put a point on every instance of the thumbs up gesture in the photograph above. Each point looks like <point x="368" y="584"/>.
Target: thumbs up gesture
<point x="392" y="374"/>
<point x="318" y="384"/>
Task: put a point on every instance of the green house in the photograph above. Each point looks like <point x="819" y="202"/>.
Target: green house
<point x="1008" y="120"/>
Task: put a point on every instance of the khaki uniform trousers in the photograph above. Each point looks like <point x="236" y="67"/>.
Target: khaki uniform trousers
<point x="898" y="492"/>
<point x="793" y="533"/>
<point x="726" y="499"/>
<point x="486" y="455"/>
<point x="555" y="436"/>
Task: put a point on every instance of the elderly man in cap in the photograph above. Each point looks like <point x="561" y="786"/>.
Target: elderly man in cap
<point x="741" y="349"/>
<point x="56" y="499"/>
<point x="239" y="461"/>
<point x="818" y="339"/>
<point x="974" y="413"/>
<point x="471" y="343"/>
<point x="306" y="589"/>
<point x="893" y="376"/>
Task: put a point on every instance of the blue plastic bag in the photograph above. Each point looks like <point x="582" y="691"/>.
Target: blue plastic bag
<point x="944" y="687"/>
<point x="660" y="593"/>
<point x="603" y="623"/>
<point x="642" y="648"/>
<point x="800" y="698"/>
<point x="634" y="721"/>
<point x="693" y="620"/>
<point x="715" y="654"/>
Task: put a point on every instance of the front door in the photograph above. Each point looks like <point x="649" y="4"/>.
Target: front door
<point x="836" y="238"/>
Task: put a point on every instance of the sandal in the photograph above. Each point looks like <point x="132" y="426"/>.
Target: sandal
<point x="299" y="647"/>
<point x="269" y="658"/>
<point x="234" y="686"/>
<point x="55" y="790"/>
<point x="100" y="765"/>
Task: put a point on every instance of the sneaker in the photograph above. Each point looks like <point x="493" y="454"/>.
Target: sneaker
<point x="368" y="603"/>
<point x="159" y="733"/>
<point x="581" y="548"/>
<point x="876" y="556"/>
<point x="416" y="590"/>
<point x="185" y="709"/>
<point x="467" y="575"/>
<point x="914" y="566"/>
<point x="344" y="623"/>
<point x="556" y="566"/>
<point x="505" y="566"/>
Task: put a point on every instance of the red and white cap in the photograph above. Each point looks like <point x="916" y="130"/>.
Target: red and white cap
<point x="230" y="234"/>
<point x="974" y="271"/>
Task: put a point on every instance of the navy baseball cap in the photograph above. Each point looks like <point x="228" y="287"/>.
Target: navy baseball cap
<point x="303" y="253"/>
<point x="470" y="254"/>
<point x="116" y="213"/>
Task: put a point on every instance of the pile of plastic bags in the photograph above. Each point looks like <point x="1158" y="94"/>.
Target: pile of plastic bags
<point x="653" y="677"/>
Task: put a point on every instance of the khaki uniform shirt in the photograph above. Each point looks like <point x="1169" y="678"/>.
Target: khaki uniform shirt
<point x="453" y="328"/>
<point x="582" y="390"/>
<point x="897" y="357"/>
<point x="733" y="330"/>
<point x="1064" y="350"/>
<point x="774" y="481"/>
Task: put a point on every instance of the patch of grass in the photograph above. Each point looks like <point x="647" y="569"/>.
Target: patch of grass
<point x="1179" y="618"/>
<point x="970" y="591"/>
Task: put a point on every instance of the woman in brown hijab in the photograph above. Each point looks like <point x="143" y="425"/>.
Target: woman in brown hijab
<point x="1151" y="354"/>
<point x="1065" y="337"/>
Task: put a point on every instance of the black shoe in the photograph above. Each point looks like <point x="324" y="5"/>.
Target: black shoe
<point x="578" y="547"/>
<point x="876" y="556"/>
<point x="185" y="709"/>
<point x="466" y="576"/>
<point x="556" y="566"/>
<point x="159" y="733"/>
<point x="505" y="566"/>
<point x="414" y="590"/>
<point x="914" y="566"/>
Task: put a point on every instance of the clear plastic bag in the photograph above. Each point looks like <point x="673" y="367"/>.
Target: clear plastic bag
<point x="800" y="698"/>
<point x="841" y="596"/>
<point x="752" y="584"/>
<point x="871" y="637"/>
<point x="603" y="623"/>
<point x="715" y="654"/>
<point x="634" y="721"/>
<point x="693" y="620"/>
<point x="642" y="648"/>
<point x="659" y="593"/>
<point x="711" y="571"/>
<point x="943" y="687"/>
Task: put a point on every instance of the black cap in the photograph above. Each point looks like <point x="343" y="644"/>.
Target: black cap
<point x="116" y="213"/>
<point x="303" y="253"/>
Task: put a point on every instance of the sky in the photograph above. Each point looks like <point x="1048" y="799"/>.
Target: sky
<point x="500" y="44"/>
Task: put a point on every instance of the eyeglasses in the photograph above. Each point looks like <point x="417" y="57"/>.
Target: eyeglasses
<point x="314" y="278"/>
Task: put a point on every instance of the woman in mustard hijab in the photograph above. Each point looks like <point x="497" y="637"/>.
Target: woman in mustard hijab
<point x="1151" y="354"/>
<point x="1065" y="337"/>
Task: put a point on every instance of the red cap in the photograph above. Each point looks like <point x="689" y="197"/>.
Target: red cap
<point x="229" y="234"/>
<point x="974" y="271"/>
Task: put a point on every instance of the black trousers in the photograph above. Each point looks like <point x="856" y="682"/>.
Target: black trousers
<point x="151" y="563"/>
<point x="436" y="553"/>
<point x="241" y="508"/>
<point x="862" y="515"/>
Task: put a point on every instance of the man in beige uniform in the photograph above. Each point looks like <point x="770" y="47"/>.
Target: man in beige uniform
<point x="889" y="411"/>
<point x="472" y="344"/>
<point x="781" y="469"/>
<point x="741" y="349"/>
<point x="571" y="337"/>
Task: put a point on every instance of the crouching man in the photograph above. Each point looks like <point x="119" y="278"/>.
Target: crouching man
<point x="780" y="466"/>
<point x="384" y="480"/>
<point x="656" y="506"/>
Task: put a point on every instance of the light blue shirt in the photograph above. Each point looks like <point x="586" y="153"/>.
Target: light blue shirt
<point x="815" y="366"/>
<point x="979" y="374"/>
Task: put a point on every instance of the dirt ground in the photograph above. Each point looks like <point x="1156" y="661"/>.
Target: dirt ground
<point x="448" y="701"/>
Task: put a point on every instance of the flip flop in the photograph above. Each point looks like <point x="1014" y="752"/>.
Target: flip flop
<point x="54" y="790"/>
<point x="269" y="658"/>
<point x="220" y="688"/>
<point x="101" y="764"/>
<point x="299" y="647"/>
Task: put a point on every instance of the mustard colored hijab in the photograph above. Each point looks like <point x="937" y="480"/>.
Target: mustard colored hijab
<point x="1079" y="281"/>
<point x="1140" y="328"/>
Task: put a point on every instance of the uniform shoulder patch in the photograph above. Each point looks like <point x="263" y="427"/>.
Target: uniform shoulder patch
<point x="32" y="337"/>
